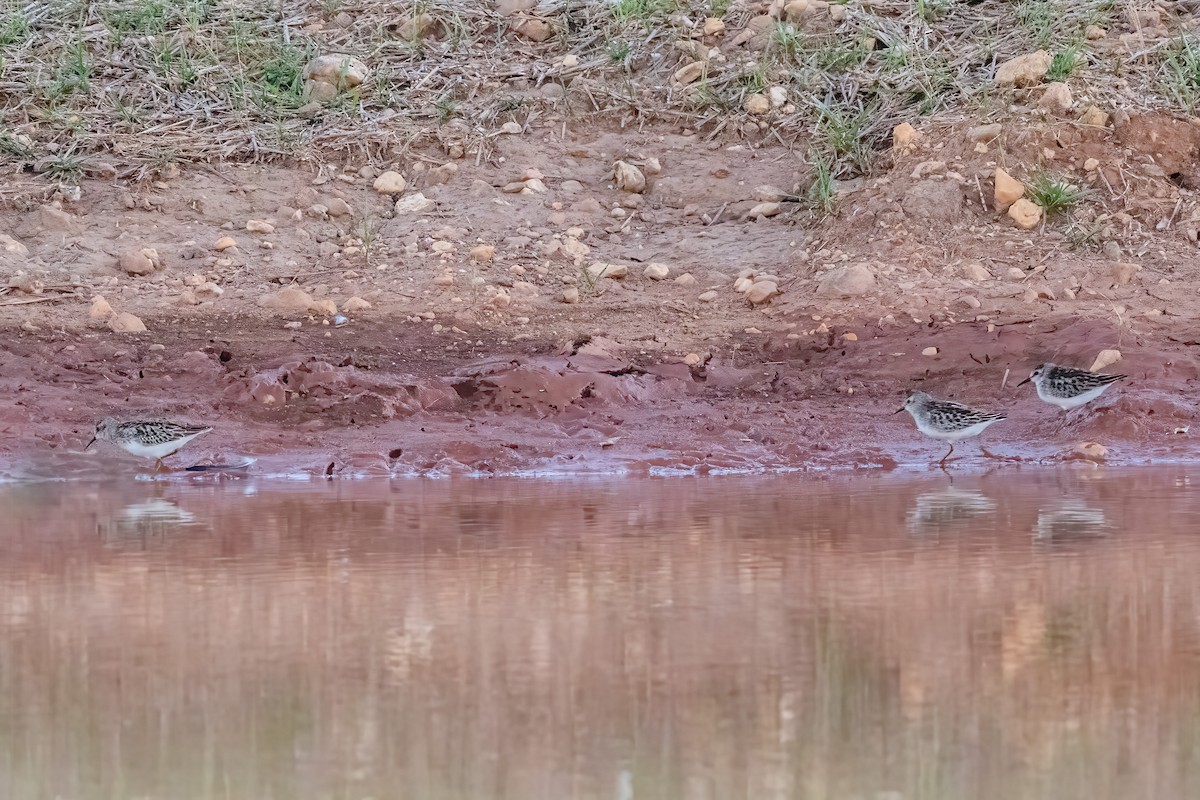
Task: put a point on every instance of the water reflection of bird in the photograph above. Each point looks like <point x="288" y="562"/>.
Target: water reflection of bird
<point x="933" y="512"/>
<point x="153" y="517"/>
<point x="1071" y="521"/>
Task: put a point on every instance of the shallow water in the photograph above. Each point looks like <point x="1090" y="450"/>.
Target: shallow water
<point x="1019" y="635"/>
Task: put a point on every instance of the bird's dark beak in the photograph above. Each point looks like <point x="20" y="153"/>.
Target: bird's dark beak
<point x="1027" y="380"/>
<point x="897" y="411"/>
<point x="92" y="442"/>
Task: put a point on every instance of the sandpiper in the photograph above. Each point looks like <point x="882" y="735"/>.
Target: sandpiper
<point x="147" y="438"/>
<point x="1067" y="387"/>
<point x="942" y="419"/>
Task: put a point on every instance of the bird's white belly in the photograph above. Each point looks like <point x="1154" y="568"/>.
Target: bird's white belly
<point x="1067" y="403"/>
<point x="156" y="450"/>
<point x="953" y="436"/>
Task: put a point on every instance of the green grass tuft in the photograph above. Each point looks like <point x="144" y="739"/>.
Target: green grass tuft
<point x="1055" y="194"/>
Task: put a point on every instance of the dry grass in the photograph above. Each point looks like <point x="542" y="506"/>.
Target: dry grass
<point x="147" y="82"/>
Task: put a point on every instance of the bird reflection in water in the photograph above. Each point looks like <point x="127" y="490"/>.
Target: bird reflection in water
<point x="140" y="522"/>
<point x="944" y="509"/>
<point x="1072" y="521"/>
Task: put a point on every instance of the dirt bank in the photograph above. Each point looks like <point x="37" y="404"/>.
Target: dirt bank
<point x="502" y="331"/>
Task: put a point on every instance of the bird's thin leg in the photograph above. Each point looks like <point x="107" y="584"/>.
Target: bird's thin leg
<point x="948" y="452"/>
<point x="158" y="465"/>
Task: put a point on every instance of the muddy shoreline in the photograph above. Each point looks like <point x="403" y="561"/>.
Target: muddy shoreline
<point x="384" y="398"/>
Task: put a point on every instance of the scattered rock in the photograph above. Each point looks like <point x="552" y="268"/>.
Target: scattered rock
<point x="686" y="279"/>
<point x="140" y="262"/>
<point x="628" y="178"/>
<point x="690" y="73"/>
<point x="337" y="207"/>
<point x="288" y="300"/>
<point x="850" y="337"/>
<point x="208" y="291"/>
<point x="742" y="285"/>
<point x="904" y="137"/>
<point x="764" y="210"/>
<point x="1025" y="213"/>
<point x="1123" y="273"/>
<point x="656" y="271"/>
<point x="713" y="26"/>
<point x="1094" y="117"/>
<point x="929" y="351"/>
<point x="259" y="226"/>
<point x="416" y="203"/>
<point x="1091" y="165"/>
<point x="1024" y="71"/>
<point x="707" y="297"/>
<point x="55" y="219"/>
<point x="483" y="253"/>
<point x="570" y="295"/>
<point x="692" y="359"/>
<point x="224" y="243"/>
<point x="1056" y="98"/>
<point x="11" y="246"/>
<point x="854" y="280"/>
<point x="985" y="133"/>
<point x="1008" y="190"/>
<point x="757" y="104"/>
<point x="1089" y="451"/>
<point x="326" y="307"/>
<point x="535" y="30"/>
<point x="390" y="182"/>
<point x="355" y="304"/>
<point x="1104" y="358"/>
<point x="100" y="309"/>
<point x="512" y="129"/>
<point x="342" y="72"/>
<point x="445" y="279"/>
<point x="762" y="292"/>
<point x="125" y="322"/>
<point x="976" y="272"/>
<point x="602" y="270"/>
<point x="778" y="96"/>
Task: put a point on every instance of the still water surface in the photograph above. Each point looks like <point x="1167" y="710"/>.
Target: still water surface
<point x="1029" y="635"/>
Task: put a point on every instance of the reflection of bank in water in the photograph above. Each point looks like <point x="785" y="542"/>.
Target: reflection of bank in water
<point x="934" y="512"/>
<point x="1072" y="521"/>
<point x="144" y="520"/>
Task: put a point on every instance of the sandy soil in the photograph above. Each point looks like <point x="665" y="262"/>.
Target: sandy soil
<point x="470" y="361"/>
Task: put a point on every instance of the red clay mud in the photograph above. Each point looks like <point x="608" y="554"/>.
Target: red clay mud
<point x="363" y="402"/>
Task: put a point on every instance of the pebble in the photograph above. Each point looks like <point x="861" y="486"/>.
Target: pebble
<point x="656" y="271"/>
<point x="854" y="280"/>
<point x="850" y="337"/>
<point x="686" y="279"/>
<point x="288" y="300"/>
<point x="1008" y="190"/>
<point x="225" y="243"/>
<point x="100" y="309"/>
<point x="602" y="270"/>
<point x="707" y="297"/>
<point x="1104" y="358"/>
<point x="1025" y="213"/>
<point x="390" y="182"/>
<point x="414" y="204"/>
<point x="757" y="104"/>
<point x="259" y="226"/>
<point x="570" y="295"/>
<point x="628" y="178"/>
<point x="511" y="128"/>
<point x="762" y="292"/>
<point x="140" y="262"/>
<point x="339" y="320"/>
<point x="929" y="351"/>
<point x="354" y="304"/>
<point x="976" y="272"/>
<point x="1090" y="451"/>
<point x="124" y="322"/>
<point x="692" y="359"/>
<point x="445" y="279"/>
<point x="337" y="207"/>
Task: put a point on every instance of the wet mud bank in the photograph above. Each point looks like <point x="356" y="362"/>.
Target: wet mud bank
<point x="389" y="399"/>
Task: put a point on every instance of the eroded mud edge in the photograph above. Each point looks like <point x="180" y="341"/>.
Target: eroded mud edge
<point x="389" y="399"/>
